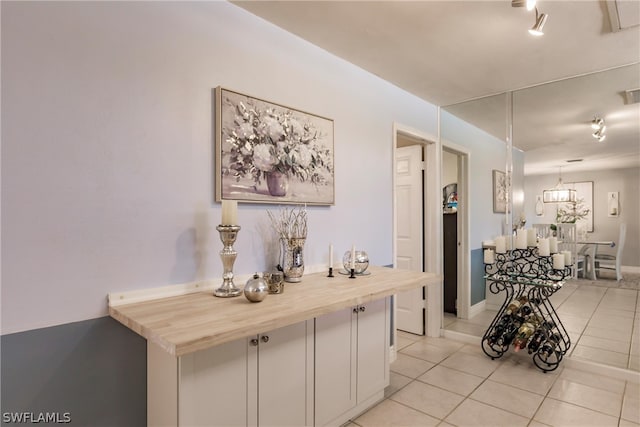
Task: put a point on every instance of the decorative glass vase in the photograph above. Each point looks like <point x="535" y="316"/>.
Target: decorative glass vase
<point x="293" y="258"/>
<point x="277" y="183"/>
<point x="361" y="264"/>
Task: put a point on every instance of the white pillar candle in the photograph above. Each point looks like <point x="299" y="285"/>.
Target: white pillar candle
<point x="229" y="212"/>
<point x="531" y="237"/>
<point x="331" y="256"/>
<point x="567" y="257"/>
<point x="353" y="256"/>
<point x="543" y="247"/>
<point x="508" y="241"/>
<point x="489" y="256"/>
<point x="553" y="244"/>
<point x="501" y="245"/>
<point x="558" y="261"/>
<point x="521" y="239"/>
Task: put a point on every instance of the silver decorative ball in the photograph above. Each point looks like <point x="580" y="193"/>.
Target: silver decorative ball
<point x="362" y="261"/>
<point x="256" y="289"/>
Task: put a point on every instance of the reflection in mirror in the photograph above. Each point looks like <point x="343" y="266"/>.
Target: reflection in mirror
<point x="551" y="126"/>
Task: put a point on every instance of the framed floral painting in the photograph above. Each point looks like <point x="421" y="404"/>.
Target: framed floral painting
<point x="499" y="192"/>
<point x="270" y="153"/>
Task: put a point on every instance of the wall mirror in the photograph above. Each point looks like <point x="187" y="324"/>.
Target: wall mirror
<point x="550" y="126"/>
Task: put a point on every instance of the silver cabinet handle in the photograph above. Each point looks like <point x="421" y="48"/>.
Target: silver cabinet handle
<point x="264" y="338"/>
<point x="355" y="309"/>
<point x="363" y="308"/>
<point x="253" y="342"/>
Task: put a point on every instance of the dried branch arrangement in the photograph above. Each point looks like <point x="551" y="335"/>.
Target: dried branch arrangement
<point x="290" y="223"/>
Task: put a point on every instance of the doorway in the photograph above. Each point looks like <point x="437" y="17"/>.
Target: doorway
<point x="417" y="226"/>
<point x="455" y="226"/>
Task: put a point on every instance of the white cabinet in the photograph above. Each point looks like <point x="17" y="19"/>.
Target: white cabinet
<point x="351" y="361"/>
<point x="264" y="380"/>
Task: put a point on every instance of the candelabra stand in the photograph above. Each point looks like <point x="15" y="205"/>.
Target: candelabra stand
<point x="228" y="234"/>
<point x="330" y="272"/>
<point x="527" y="279"/>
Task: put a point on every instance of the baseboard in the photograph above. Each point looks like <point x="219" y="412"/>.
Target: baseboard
<point x="477" y="308"/>
<point x="600" y="369"/>
<point x="630" y="269"/>
<point x="461" y="337"/>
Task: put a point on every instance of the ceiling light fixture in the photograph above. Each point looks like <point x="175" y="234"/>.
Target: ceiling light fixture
<point x="597" y="123"/>
<point x="559" y="194"/>
<point x="599" y="134"/>
<point x="541" y="19"/>
<point x="531" y="4"/>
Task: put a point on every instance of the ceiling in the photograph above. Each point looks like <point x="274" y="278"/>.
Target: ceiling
<point x="449" y="52"/>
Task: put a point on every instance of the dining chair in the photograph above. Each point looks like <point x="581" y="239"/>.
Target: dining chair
<point x="585" y="262"/>
<point x="612" y="262"/>
<point x="567" y="240"/>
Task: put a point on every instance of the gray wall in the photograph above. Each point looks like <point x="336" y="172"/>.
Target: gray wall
<point x="626" y="181"/>
<point x="95" y="370"/>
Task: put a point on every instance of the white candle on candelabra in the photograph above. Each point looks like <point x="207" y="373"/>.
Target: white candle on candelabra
<point x="531" y="237"/>
<point x="229" y="212"/>
<point x="331" y="256"/>
<point x="489" y="256"/>
<point x="353" y="257"/>
<point x="521" y="239"/>
<point x="567" y="257"/>
<point x="501" y="245"/>
<point x="553" y="244"/>
<point x="558" y="261"/>
<point x="543" y="247"/>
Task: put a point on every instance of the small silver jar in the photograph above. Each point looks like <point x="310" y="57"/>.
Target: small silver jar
<point x="256" y="289"/>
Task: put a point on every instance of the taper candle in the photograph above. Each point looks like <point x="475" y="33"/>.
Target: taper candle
<point x="353" y="256"/>
<point x="331" y="256"/>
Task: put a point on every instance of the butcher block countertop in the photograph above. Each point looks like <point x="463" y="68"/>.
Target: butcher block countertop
<point x="196" y="321"/>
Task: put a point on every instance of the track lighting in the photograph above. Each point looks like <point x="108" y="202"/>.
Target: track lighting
<point x="597" y="123"/>
<point x="531" y="4"/>
<point x="541" y="19"/>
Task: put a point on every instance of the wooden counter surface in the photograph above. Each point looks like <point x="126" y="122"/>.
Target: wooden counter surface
<point x="196" y="321"/>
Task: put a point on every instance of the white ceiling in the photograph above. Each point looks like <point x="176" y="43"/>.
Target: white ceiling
<point x="448" y="52"/>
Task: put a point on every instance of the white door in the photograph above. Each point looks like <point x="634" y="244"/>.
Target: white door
<point x="409" y="234"/>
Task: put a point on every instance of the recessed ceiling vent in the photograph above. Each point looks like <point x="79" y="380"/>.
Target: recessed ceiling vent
<point x="623" y="14"/>
<point x="632" y="96"/>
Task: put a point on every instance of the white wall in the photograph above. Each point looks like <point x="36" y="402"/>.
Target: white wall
<point x="107" y="148"/>
<point x="449" y="168"/>
<point x="626" y="181"/>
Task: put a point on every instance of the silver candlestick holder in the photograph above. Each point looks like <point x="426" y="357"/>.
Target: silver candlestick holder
<point x="228" y="234"/>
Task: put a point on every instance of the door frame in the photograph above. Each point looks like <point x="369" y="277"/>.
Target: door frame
<point x="432" y="209"/>
<point x="464" y="271"/>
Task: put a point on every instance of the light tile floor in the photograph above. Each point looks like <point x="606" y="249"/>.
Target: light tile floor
<point x="441" y="382"/>
<point x="438" y="381"/>
<point x="603" y="323"/>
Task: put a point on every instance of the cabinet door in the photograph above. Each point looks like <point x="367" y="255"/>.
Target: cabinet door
<point x="373" y="348"/>
<point x="213" y="386"/>
<point x="335" y="365"/>
<point x="283" y="385"/>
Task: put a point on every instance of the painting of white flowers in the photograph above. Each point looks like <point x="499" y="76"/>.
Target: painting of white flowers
<point x="270" y="153"/>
